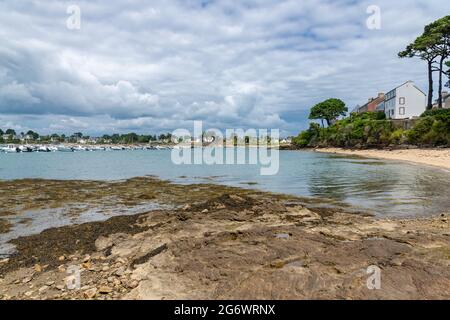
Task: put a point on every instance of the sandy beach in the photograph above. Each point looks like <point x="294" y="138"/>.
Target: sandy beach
<point x="431" y="157"/>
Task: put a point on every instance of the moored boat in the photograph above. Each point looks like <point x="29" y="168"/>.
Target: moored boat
<point x="10" y="149"/>
<point x="25" y="149"/>
<point x="43" y="149"/>
<point x="65" y="149"/>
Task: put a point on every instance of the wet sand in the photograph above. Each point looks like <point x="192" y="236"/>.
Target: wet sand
<point x="219" y="242"/>
<point x="431" y="157"/>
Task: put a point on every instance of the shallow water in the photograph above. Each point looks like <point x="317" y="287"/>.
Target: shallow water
<point x="35" y="221"/>
<point x="384" y="188"/>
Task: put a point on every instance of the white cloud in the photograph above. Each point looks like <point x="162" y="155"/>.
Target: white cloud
<point x="16" y="93"/>
<point x="149" y="66"/>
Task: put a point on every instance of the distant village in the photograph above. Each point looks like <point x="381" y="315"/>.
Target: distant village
<point x="406" y="101"/>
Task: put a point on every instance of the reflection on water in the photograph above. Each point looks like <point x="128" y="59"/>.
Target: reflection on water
<point x="380" y="187"/>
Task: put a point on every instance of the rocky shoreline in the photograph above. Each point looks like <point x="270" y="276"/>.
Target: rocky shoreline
<point x="228" y="243"/>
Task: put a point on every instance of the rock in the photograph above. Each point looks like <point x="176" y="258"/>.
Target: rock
<point x="187" y="207"/>
<point x="37" y="268"/>
<point x="91" y="293"/>
<point x="87" y="258"/>
<point x="277" y="264"/>
<point x="86" y="265"/>
<point x="27" y="279"/>
<point x="60" y="287"/>
<point x="6" y="260"/>
<point x="43" y="289"/>
<point x="50" y="283"/>
<point x="237" y="198"/>
<point x="133" y="284"/>
<point x="105" y="268"/>
<point x="29" y="293"/>
<point x="282" y="236"/>
<point x="119" y="272"/>
<point x="61" y="258"/>
<point x="205" y="211"/>
<point x="103" y="243"/>
<point x="105" y="290"/>
<point x="61" y="268"/>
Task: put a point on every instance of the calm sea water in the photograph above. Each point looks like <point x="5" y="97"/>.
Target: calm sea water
<point x="380" y="187"/>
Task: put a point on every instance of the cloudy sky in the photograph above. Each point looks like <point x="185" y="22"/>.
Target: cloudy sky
<point x="153" y="66"/>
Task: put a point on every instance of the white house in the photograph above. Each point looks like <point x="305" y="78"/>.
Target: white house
<point x="27" y="137"/>
<point x="404" y="102"/>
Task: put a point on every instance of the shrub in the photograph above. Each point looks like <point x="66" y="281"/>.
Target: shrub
<point x="421" y="128"/>
<point x="305" y="138"/>
<point x="397" y="137"/>
<point x="437" y="113"/>
<point x="438" y="135"/>
<point x="371" y="130"/>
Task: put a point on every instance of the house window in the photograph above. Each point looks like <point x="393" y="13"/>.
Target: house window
<point x="402" y="100"/>
<point x="401" y="111"/>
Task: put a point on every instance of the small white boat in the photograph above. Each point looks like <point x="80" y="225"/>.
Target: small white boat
<point x="65" y="149"/>
<point x="10" y="149"/>
<point x="43" y="149"/>
<point x="25" y="149"/>
<point x="79" y="148"/>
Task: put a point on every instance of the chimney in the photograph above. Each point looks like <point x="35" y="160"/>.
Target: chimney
<point x="380" y="95"/>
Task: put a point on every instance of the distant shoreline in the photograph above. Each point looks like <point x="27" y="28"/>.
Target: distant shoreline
<point x="141" y="145"/>
<point x="431" y="157"/>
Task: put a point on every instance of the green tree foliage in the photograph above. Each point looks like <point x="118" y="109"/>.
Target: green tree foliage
<point x="33" y="134"/>
<point x="371" y="129"/>
<point x="307" y="138"/>
<point x="11" y="132"/>
<point x="440" y="31"/>
<point x="433" y="46"/>
<point x="328" y="110"/>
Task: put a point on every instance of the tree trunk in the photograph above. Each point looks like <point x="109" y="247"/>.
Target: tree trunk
<point x="328" y="122"/>
<point x="441" y="66"/>
<point x="430" y="85"/>
<point x="323" y="126"/>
